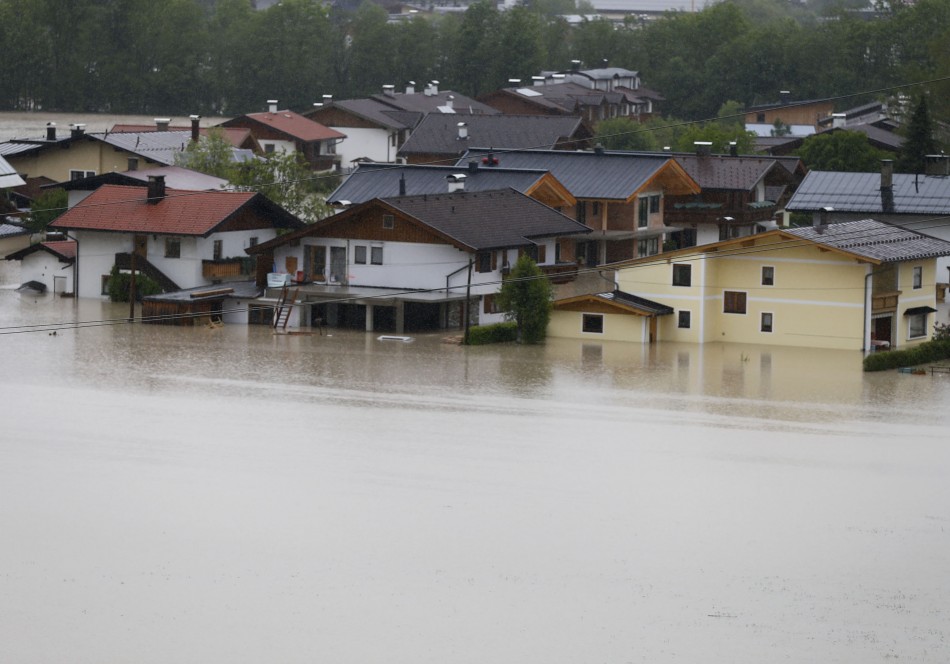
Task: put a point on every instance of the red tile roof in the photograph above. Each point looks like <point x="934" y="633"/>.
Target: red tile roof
<point x="64" y="248"/>
<point x="124" y="209"/>
<point x="296" y="125"/>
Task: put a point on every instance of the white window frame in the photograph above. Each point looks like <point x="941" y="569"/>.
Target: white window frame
<point x="918" y="277"/>
<point x="910" y="326"/>
<point x="359" y="254"/>
<point x="768" y="267"/>
<point x="762" y="316"/>
<point x="376" y="254"/>
<point x="679" y="319"/>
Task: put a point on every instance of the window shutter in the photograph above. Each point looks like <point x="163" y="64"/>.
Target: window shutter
<point x="542" y="253"/>
<point x="494" y="261"/>
<point x="488" y="302"/>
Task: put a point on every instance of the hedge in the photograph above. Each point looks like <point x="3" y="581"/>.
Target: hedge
<point x="493" y="334"/>
<point x="929" y="351"/>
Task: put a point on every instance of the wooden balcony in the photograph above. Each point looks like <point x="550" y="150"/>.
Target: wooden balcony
<point x="227" y="268"/>
<point x="560" y="273"/>
<point x="884" y="302"/>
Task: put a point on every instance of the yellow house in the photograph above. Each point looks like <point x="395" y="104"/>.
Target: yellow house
<point x="74" y="155"/>
<point x="855" y="285"/>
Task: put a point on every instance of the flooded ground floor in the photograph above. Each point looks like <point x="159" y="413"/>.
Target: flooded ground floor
<point x="225" y="494"/>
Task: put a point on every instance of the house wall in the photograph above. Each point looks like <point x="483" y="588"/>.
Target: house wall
<point x="925" y="296"/>
<point x="42" y="266"/>
<point x="87" y="155"/>
<point x="9" y="245"/>
<point x="365" y="143"/>
<point x="817" y="299"/>
<point x="97" y="252"/>
<point x="617" y="327"/>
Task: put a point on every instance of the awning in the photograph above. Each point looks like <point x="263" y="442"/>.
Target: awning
<point x="913" y="311"/>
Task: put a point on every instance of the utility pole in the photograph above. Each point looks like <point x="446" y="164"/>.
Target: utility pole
<point x="132" y="284"/>
<point x="468" y="308"/>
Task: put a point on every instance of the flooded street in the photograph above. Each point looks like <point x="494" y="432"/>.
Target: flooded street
<point x="228" y="495"/>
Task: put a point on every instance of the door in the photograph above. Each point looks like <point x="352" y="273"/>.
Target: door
<point x="140" y="245"/>
<point x="315" y="263"/>
<point x="338" y="265"/>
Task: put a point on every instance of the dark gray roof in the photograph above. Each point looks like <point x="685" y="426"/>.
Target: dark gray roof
<point x="488" y="220"/>
<point x="11" y="230"/>
<point x="729" y="173"/>
<point x="435" y="103"/>
<point x="372" y="180"/>
<point x="861" y="192"/>
<point x="879" y="138"/>
<point x="605" y="176"/>
<point x="379" y="113"/>
<point x="157" y="146"/>
<point x="439" y="134"/>
<point x="876" y="240"/>
<point x="636" y="301"/>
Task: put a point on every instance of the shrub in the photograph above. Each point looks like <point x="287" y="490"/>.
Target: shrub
<point x="119" y="286"/>
<point x="493" y="334"/>
<point x="929" y="351"/>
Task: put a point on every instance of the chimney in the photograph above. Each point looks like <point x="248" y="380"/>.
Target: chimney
<point x="703" y="148"/>
<point x="450" y="102"/>
<point x="575" y="65"/>
<point x="473" y="166"/>
<point x="537" y="80"/>
<point x="389" y="90"/>
<point x="272" y="105"/>
<point x="402" y="184"/>
<point x="838" y="120"/>
<point x="50" y="131"/>
<point x="318" y="104"/>
<point x="327" y="99"/>
<point x="161" y="124"/>
<point x="887" y="186"/>
<point x="195" y="120"/>
<point x="599" y="150"/>
<point x="156" y="188"/>
<point x="733" y="149"/>
<point x="937" y="165"/>
<point x="411" y="88"/>
<point x="514" y="82"/>
<point x="822" y="219"/>
<point x="456" y="182"/>
<point x="77" y="130"/>
<point x="435" y="87"/>
<point x="784" y="96"/>
<point x="558" y="77"/>
<point x="605" y="62"/>
<point x="463" y="131"/>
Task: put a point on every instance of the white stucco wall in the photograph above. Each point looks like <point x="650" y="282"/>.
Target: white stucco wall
<point x="42" y="266"/>
<point x="367" y="143"/>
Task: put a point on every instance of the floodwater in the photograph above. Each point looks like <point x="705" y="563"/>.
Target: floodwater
<point x="230" y="495"/>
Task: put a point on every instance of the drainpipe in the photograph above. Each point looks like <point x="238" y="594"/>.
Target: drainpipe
<point x="468" y="306"/>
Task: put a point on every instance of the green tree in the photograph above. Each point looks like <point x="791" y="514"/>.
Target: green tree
<point x="45" y="208"/>
<point x="526" y="296"/>
<point x="847" y="151"/>
<point x="212" y="155"/>
<point x="285" y="179"/>
<point x="919" y="141"/>
<point x="625" y="134"/>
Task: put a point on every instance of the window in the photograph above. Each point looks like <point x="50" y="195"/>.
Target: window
<point x="593" y="323"/>
<point x="768" y="275"/>
<point x="252" y="242"/>
<point x="483" y="261"/>
<point x="760" y="117"/>
<point x="172" y="247"/>
<point x="389" y="221"/>
<point x="643" y="213"/>
<point x="683" y="320"/>
<point x="80" y="174"/>
<point x="216" y="250"/>
<point x="766" y="322"/>
<point x="133" y="164"/>
<point x="682" y="275"/>
<point x="733" y="302"/>
<point x="490" y="304"/>
<point x="648" y="247"/>
<point x="595" y="208"/>
<point x="655" y="204"/>
<point x="918" y="276"/>
<point x="376" y="255"/>
<point x="581" y="212"/>
<point x="917" y="326"/>
<point x="268" y="148"/>
<point x="359" y="254"/>
<point x="104" y="284"/>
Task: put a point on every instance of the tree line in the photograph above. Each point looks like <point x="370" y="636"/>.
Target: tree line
<point x="178" y="57"/>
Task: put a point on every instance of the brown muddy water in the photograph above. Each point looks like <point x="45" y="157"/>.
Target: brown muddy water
<point x="228" y="495"/>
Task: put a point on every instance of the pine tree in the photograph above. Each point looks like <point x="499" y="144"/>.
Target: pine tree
<point x="919" y="140"/>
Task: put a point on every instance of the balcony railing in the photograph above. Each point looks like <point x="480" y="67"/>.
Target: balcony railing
<point x="227" y="268"/>
<point x="560" y="273"/>
<point x="881" y="302"/>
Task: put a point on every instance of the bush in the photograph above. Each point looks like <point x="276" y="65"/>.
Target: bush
<point x="119" y="286"/>
<point x="497" y="333"/>
<point x="929" y="351"/>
